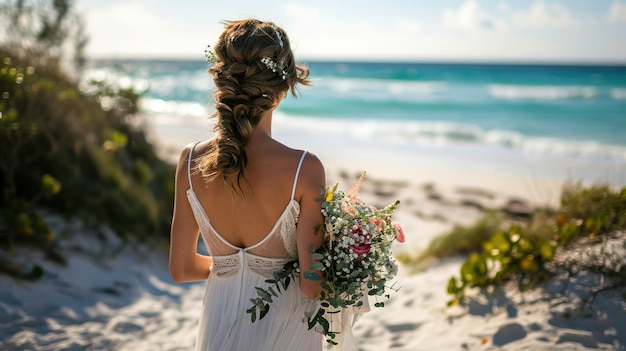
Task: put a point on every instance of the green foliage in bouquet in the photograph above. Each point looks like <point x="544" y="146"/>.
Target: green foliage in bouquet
<point x="522" y="252"/>
<point x="356" y="257"/>
<point x="282" y="280"/>
<point x="355" y="260"/>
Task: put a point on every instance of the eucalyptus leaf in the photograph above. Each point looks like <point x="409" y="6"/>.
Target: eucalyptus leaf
<point x="287" y="282"/>
<point x="263" y="294"/>
<point x="252" y="311"/>
<point x="264" y="311"/>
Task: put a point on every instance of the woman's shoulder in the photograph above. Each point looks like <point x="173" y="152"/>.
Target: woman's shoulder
<point x="312" y="173"/>
<point x="196" y="149"/>
<point x="310" y="159"/>
<point x="311" y="163"/>
<point x="190" y="153"/>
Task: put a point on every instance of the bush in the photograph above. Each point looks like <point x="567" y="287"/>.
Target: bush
<point x="53" y="138"/>
<point x="74" y="152"/>
<point x="460" y="240"/>
<point x="521" y="253"/>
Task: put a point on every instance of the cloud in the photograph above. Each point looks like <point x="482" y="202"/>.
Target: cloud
<point x="408" y="26"/>
<point x="303" y="12"/>
<point x="541" y="15"/>
<point x="147" y="28"/>
<point x="132" y="29"/>
<point x="467" y="17"/>
<point x="617" y="13"/>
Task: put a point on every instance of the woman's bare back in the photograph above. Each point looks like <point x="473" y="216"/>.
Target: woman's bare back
<point x="269" y="177"/>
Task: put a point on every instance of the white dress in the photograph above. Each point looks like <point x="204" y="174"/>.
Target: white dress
<point x="224" y="324"/>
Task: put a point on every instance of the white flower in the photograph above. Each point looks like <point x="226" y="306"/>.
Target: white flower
<point x="274" y="67"/>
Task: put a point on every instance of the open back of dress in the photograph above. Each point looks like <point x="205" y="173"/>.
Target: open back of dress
<point x="224" y="323"/>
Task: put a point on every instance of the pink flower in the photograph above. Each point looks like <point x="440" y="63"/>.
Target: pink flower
<point x="360" y="249"/>
<point x="400" y="234"/>
<point x="362" y="241"/>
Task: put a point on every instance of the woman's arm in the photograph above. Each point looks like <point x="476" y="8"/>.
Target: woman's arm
<point x="310" y="229"/>
<point x="185" y="262"/>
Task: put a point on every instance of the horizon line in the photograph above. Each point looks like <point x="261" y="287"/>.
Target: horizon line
<point x="468" y="61"/>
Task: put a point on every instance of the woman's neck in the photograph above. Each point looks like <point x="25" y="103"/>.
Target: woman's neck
<point x="263" y="129"/>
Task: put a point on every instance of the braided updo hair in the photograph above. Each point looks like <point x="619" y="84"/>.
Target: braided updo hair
<point x="246" y="87"/>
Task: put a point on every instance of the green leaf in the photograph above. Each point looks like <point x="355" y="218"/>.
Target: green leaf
<point x="323" y="322"/>
<point x="452" y="286"/>
<point x="287" y="282"/>
<point x="501" y="242"/>
<point x="373" y="292"/>
<point x="318" y="256"/>
<point x="547" y="251"/>
<point x="313" y="321"/>
<point x="263" y="294"/>
<point x="49" y="185"/>
<point x="252" y="311"/>
<point x="264" y="311"/>
<point x="452" y="302"/>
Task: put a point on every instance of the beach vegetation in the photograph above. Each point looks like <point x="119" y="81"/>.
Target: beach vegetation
<point x="524" y="253"/>
<point x="460" y="240"/>
<point x="76" y="150"/>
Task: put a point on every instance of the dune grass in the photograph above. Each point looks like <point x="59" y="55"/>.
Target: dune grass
<point x="522" y="251"/>
<point x="460" y="240"/>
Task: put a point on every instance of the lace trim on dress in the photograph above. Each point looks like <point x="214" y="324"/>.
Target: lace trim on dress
<point x="287" y="230"/>
<point x="225" y="267"/>
<point x="265" y="266"/>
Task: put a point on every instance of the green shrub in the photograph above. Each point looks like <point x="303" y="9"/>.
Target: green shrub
<point x="460" y="240"/>
<point x="59" y="149"/>
<point x="521" y="253"/>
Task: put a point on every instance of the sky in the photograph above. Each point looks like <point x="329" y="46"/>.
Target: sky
<point x="390" y="30"/>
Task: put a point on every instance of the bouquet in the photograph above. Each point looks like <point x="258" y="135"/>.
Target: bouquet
<point x="355" y="259"/>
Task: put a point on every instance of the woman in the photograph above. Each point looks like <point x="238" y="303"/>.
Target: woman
<point x="251" y="198"/>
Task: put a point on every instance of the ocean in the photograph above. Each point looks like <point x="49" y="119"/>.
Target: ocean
<point x="551" y="121"/>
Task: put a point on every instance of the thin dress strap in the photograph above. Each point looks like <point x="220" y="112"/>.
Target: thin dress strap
<point x="295" y="179"/>
<point x="189" y="164"/>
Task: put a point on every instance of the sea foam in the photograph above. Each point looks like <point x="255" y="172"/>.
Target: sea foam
<point x="449" y="133"/>
<point x="519" y="92"/>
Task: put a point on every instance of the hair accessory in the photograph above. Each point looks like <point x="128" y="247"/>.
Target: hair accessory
<point x="210" y="55"/>
<point x="280" y="39"/>
<point x="275" y="67"/>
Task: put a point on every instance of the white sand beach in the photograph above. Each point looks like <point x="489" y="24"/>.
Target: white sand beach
<point x="114" y="297"/>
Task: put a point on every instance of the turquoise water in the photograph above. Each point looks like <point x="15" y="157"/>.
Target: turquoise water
<point x="569" y="103"/>
<point x="576" y="113"/>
